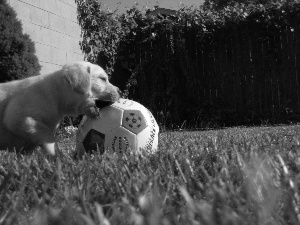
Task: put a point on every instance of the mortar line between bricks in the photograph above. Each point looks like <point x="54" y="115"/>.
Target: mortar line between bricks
<point x="51" y="12"/>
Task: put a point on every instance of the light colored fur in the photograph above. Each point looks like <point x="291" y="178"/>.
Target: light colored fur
<point x="31" y="109"/>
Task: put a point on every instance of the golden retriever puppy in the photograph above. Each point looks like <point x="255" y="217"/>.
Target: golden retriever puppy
<point x="31" y="109"/>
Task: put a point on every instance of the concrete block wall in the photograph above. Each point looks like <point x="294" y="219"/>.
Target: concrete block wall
<point x="53" y="26"/>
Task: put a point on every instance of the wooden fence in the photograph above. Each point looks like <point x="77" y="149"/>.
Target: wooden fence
<point x="248" y="68"/>
<point x="251" y="70"/>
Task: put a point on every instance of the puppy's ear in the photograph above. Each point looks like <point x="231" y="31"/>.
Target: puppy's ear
<point x="78" y="77"/>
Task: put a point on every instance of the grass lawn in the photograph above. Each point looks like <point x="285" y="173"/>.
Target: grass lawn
<point x="231" y="176"/>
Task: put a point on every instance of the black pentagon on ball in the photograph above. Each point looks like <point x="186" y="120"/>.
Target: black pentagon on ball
<point x="94" y="142"/>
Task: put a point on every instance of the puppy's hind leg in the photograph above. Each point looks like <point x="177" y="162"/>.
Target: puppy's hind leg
<point x="49" y="148"/>
<point x="35" y="132"/>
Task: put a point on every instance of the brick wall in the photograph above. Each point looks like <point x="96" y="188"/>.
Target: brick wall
<point x="52" y="25"/>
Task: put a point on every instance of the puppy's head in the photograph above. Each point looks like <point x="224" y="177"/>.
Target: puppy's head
<point x="78" y="77"/>
<point x="101" y="88"/>
<point x="91" y="80"/>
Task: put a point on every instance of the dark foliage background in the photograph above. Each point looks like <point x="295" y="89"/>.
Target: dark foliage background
<point x="17" y="52"/>
<point x="224" y="64"/>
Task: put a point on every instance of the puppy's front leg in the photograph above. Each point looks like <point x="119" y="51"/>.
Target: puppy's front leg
<point x="92" y="112"/>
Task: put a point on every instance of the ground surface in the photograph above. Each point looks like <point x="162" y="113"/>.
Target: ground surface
<point x="229" y="176"/>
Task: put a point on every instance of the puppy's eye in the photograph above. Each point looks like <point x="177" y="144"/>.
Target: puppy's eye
<point x="103" y="78"/>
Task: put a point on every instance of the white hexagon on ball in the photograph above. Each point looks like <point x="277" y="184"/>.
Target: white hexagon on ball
<point x="123" y="126"/>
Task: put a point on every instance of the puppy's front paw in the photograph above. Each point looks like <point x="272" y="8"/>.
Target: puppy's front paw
<point x="93" y="112"/>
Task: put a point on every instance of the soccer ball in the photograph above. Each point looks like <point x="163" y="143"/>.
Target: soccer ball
<point x="123" y="126"/>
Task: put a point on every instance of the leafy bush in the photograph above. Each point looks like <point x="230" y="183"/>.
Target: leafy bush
<point x="101" y="33"/>
<point x="17" y="59"/>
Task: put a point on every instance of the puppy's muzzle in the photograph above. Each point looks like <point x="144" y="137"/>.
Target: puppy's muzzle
<point x="113" y="97"/>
